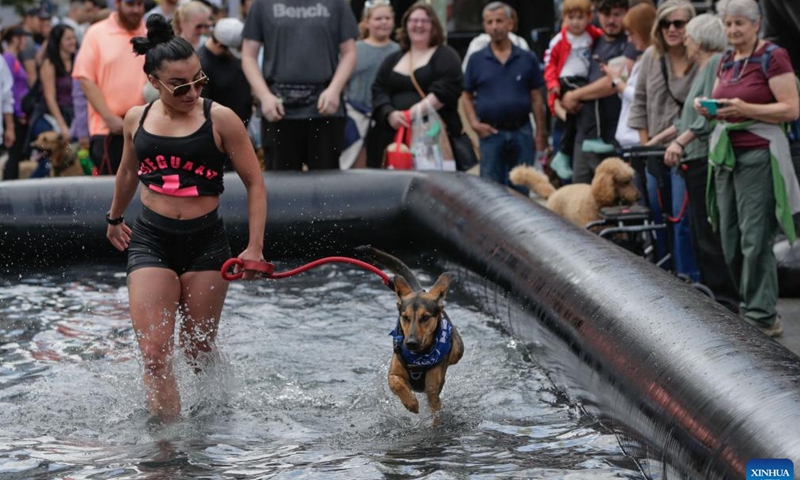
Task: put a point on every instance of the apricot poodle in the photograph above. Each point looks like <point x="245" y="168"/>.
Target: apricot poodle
<point x="613" y="184"/>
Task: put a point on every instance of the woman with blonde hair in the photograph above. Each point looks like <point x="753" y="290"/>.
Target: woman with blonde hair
<point x="687" y="146"/>
<point x="374" y="46"/>
<point x="661" y="90"/>
<point x="192" y="20"/>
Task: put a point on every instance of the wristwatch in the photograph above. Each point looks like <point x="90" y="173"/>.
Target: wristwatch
<point x="114" y="221"/>
<point x="615" y="82"/>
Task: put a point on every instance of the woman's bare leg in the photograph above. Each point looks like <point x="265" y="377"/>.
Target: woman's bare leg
<point x="202" y="298"/>
<point x="154" y="296"/>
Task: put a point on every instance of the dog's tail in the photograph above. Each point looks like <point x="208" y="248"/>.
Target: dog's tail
<point x="394" y="264"/>
<point x="535" y="180"/>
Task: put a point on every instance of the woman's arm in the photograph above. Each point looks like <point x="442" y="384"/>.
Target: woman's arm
<point x="677" y="148"/>
<point x="445" y="90"/>
<point x="786" y="107"/>
<point x="125" y="182"/>
<point x="382" y="107"/>
<point x="637" y="119"/>
<point x="236" y="143"/>
<point x="48" y="76"/>
<point x="663" y="136"/>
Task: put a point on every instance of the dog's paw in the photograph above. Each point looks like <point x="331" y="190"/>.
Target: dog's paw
<point x="412" y="405"/>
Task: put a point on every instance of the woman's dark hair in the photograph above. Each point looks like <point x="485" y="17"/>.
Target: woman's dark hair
<point x="11" y="32"/>
<point x="437" y="32"/>
<point x="161" y="45"/>
<point x="53" y="48"/>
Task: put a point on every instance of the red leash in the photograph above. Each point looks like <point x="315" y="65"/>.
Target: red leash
<point x="266" y="269"/>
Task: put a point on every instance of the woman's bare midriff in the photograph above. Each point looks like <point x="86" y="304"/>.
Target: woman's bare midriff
<point x="179" y="208"/>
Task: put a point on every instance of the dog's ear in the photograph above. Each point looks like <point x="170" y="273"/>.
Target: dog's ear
<point x="401" y="287"/>
<point x="440" y="288"/>
<point x="603" y="189"/>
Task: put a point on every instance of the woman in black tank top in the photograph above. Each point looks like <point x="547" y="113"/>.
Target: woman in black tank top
<point x="176" y="147"/>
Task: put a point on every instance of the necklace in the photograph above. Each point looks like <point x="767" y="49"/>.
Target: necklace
<point x="746" y="60"/>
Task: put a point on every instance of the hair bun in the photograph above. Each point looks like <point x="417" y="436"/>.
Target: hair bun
<point x="159" y="30"/>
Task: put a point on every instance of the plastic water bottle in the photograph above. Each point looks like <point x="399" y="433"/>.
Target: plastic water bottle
<point x="86" y="163"/>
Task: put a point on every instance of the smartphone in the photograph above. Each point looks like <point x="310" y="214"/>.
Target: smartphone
<point x="711" y="105"/>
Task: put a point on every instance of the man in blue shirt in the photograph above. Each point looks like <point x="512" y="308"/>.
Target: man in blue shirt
<point x="501" y="87"/>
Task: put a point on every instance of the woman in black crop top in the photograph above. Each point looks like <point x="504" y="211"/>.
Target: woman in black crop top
<point x="177" y="146"/>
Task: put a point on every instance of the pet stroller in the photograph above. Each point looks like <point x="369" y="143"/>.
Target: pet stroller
<point x="646" y="229"/>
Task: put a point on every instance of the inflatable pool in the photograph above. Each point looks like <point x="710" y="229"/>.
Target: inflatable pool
<point x="690" y="390"/>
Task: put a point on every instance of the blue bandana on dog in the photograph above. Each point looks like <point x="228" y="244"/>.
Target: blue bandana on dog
<point x="441" y="348"/>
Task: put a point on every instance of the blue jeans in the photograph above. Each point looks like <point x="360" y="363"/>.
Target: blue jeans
<point x="683" y="260"/>
<point x="505" y="150"/>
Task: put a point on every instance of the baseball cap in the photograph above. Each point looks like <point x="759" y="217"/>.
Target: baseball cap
<point x="228" y="32"/>
<point x="40" y="12"/>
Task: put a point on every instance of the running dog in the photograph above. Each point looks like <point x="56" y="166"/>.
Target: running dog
<point x="63" y="161"/>
<point x="425" y="340"/>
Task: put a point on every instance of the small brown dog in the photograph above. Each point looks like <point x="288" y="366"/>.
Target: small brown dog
<point x="63" y="162"/>
<point x="425" y="340"/>
<point x="580" y="203"/>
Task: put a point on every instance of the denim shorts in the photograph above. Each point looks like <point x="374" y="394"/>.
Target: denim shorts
<point x="195" y="245"/>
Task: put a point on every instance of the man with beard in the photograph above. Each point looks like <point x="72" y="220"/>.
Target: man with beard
<point x="112" y="78"/>
<point x="597" y="104"/>
<point x="501" y="88"/>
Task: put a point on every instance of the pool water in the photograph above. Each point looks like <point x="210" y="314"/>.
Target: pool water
<point x="298" y="390"/>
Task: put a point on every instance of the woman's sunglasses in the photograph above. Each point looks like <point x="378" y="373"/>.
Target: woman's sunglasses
<point x="182" y="90"/>
<point x="665" y="24"/>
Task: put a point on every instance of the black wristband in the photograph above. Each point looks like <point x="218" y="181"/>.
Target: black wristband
<point x="114" y="221"/>
<point x="683" y="147"/>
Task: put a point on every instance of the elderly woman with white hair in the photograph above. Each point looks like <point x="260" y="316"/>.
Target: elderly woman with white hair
<point x="687" y="141"/>
<point x="752" y="186"/>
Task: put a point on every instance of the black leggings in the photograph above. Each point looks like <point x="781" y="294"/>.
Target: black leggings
<point x="199" y="244"/>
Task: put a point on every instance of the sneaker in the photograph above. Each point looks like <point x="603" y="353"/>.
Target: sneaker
<point x="560" y="165"/>
<point x="776" y="330"/>
<point x="595" y="145"/>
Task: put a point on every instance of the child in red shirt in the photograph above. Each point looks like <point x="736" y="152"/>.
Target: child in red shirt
<point x="567" y="68"/>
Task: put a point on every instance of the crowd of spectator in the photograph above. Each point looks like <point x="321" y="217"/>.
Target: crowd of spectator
<point x="321" y="89"/>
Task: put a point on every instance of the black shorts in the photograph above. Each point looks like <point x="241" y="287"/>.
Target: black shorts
<point x="194" y="245"/>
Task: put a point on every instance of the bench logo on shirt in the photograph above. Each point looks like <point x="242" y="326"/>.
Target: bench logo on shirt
<point x="281" y="10"/>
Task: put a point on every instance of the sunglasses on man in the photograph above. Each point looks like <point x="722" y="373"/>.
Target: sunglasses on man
<point x="182" y="90"/>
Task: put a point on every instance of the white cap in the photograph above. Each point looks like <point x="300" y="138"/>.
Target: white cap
<point x="228" y="32"/>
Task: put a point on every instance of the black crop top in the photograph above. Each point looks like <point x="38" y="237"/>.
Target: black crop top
<point x="188" y="166"/>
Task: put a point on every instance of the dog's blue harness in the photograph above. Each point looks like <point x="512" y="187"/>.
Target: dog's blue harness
<point x="418" y="364"/>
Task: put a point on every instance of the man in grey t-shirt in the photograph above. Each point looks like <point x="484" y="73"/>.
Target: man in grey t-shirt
<point x="309" y="54"/>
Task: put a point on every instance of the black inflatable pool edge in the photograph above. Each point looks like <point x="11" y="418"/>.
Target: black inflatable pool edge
<point x="700" y="389"/>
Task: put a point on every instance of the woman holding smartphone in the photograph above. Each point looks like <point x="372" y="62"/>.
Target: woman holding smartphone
<point x="754" y="187"/>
